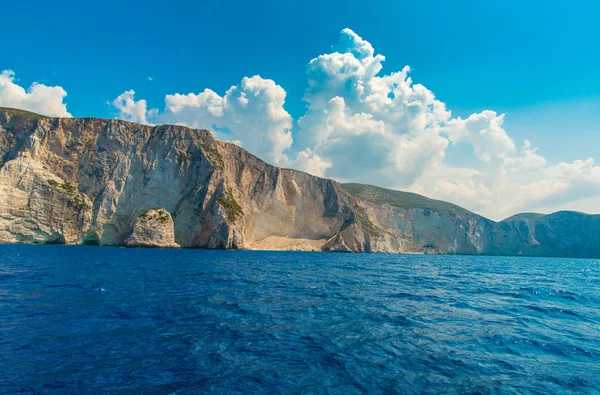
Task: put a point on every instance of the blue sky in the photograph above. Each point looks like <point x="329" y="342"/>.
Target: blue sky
<point x="537" y="62"/>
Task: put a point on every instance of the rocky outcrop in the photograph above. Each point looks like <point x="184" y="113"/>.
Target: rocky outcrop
<point x="153" y="228"/>
<point x="86" y="181"/>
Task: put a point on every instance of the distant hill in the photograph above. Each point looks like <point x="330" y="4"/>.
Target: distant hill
<point x="518" y="216"/>
<point x="406" y="200"/>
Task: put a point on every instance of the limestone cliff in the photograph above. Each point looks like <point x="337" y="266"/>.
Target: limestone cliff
<point x="87" y="181"/>
<point x="153" y="228"/>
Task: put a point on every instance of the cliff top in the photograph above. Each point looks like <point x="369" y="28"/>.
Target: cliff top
<point x="369" y="193"/>
<point x="406" y="200"/>
<point x="532" y="216"/>
<point x="23" y="113"/>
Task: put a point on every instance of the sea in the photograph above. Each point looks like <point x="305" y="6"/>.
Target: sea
<point x="90" y="319"/>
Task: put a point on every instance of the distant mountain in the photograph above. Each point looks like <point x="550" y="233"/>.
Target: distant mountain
<point x="109" y="182"/>
<point x="524" y="216"/>
<point x="407" y="200"/>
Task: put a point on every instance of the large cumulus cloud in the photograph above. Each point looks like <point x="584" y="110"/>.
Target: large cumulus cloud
<point x="381" y="129"/>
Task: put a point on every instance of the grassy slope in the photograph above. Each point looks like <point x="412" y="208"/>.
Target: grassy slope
<point x="406" y="200"/>
<point x="412" y="200"/>
<point x="23" y="113"/>
<point x="533" y="216"/>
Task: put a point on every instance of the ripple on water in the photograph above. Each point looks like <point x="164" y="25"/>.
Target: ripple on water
<point x="189" y="321"/>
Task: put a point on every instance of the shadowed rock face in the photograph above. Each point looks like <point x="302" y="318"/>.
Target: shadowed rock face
<point x="87" y="181"/>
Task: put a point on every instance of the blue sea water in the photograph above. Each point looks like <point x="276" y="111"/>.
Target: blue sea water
<point x="99" y="319"/>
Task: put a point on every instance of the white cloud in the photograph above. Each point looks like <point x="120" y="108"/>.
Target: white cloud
<point x="250" y="114"/>
<point x="484" y="132"/>
<point x="311" y="163"/>
<point x="131" y="110"/>
<point x="388" y="131"/>
<point x="380" y="129"/>
<point x="522" y="182"/>
<point x="370" y="128"/>
<point x="39" y="98"/>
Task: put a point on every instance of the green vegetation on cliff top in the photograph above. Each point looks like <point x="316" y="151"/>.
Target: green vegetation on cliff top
<point x="405" y="200"/>
<point x="160" y="214"/>
<point x="23" y="113"/>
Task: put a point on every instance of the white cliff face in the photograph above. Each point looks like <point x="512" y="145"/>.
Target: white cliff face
<point x="36" y="206"/>
<point x="153" y="228"/>
<point x="87" y="181"/>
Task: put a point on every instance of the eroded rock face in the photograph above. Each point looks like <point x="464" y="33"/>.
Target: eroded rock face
<point x="86" y="181"/>
<point x="36" y="206"/>
<point x="153" y="228"/>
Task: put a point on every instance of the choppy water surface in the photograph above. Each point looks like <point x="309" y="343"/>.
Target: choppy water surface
<point x="90" y="319"/>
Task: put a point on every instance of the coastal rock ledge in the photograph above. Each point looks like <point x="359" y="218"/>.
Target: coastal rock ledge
<point x="153" y="228"/>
